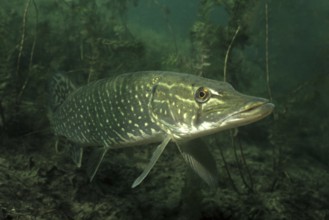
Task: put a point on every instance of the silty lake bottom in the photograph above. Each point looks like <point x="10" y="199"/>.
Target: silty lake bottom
<point x="276" y="168"/>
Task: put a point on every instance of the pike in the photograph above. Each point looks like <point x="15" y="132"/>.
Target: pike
<point x="150" y="107"/>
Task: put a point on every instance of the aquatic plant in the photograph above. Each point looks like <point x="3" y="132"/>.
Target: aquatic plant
<point x="275" y="169"/>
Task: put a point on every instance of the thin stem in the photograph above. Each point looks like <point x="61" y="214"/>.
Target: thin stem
<point x="251" y="187"/>
<point x="32" y="51"/>
<point x="228" y="171"/>
<point x="228" y="52"/>
<point x="238" y="162"/>
<point x="21" y="44"/>
<point x="267" y="53"/>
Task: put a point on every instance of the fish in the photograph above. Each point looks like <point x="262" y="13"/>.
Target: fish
<point x="141" y="108"/>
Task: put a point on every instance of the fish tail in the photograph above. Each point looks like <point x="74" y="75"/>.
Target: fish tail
<point x="60" y="88"/>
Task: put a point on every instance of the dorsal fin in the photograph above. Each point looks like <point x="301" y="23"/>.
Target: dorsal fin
<point x="59" y="89"/>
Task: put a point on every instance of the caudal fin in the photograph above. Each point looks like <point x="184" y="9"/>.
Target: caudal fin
<point x="59" y="89"/>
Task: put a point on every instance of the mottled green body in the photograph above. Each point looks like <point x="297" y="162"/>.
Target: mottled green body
<point x="148" y="107"/>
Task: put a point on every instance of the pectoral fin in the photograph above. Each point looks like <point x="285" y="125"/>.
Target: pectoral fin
<point x="94" y="161"/>
<point x="155" y="156"/>
<point x="197" y="155"/>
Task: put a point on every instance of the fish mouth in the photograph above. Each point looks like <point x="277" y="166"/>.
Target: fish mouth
<point x="251" y="112"/>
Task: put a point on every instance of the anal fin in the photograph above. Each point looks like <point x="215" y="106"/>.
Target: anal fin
<point x="74" y="150"/>
<point x="76" y="153"/>
<point x="94" y="161"/>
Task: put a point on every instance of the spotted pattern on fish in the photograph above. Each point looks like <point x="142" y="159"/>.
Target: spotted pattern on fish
<point x="148" y="107"/>
<point x="110" y="112"/>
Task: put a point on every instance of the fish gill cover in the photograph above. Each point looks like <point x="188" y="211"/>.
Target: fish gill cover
<point x="274" y="169"/>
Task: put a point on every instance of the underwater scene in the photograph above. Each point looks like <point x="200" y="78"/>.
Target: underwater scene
<point x="164" y="109"/>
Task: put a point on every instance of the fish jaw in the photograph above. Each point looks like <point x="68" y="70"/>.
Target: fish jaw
<point x="253" y="111"/>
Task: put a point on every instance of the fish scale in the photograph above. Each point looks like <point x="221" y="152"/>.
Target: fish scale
<point x="147" y="107"/>
<point x="107" y="113"/>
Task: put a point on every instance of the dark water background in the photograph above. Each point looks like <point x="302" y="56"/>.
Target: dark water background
<point x="274" y="169"/>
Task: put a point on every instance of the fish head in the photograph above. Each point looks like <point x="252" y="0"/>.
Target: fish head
<point x="222" y="107"/>
<point x="193" y="107"/>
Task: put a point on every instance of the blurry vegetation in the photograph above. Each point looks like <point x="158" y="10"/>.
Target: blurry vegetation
<point x="274" y="169"/>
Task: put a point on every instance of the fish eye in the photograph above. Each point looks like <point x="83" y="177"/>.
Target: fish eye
<point x="202" y="95"/>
